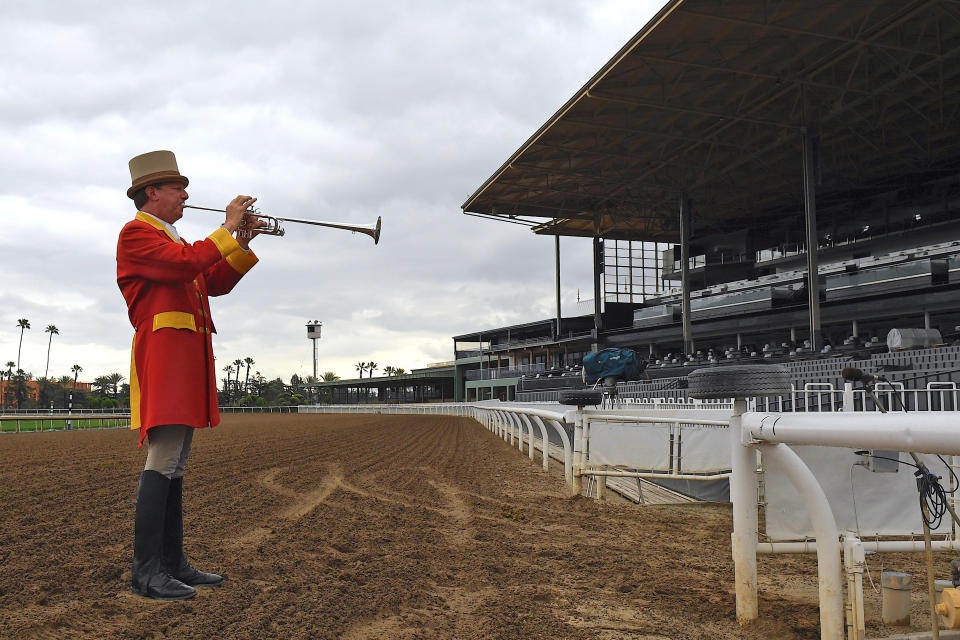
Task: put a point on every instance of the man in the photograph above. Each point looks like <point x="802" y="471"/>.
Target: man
<point x="165" y="282"/>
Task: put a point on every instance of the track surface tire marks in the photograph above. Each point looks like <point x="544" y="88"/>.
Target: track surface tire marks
<point x="367" y="526"/>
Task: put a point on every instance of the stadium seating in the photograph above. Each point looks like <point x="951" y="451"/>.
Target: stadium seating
<point x="913" y="369"/>
<point x="885" y="274"/>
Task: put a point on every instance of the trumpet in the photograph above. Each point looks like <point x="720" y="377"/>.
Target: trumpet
<point x="273" y="228"/>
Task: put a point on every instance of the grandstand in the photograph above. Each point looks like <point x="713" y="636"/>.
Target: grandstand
<point x="762" y="184"/>
<point x="740" y="322"/>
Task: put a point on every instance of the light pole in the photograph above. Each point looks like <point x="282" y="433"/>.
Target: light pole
<point x="313" y="334"/>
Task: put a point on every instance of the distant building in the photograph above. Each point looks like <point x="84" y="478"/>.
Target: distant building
<point x="33" y="388"/>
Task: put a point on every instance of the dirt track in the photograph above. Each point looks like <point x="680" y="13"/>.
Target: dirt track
<point x="361" y="527"/>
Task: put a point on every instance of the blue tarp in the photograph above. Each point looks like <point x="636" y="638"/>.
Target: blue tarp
<point x="622" y="364"/>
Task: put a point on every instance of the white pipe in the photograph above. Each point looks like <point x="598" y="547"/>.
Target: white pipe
<point x="546" y="442"/>
<point x="854" y="562"/>
<point x="848" y="404"/>
<point x="577" y="450"/>
<point x="929" y="432"/>
<point x="512" y="425"/>
<point x="567" y="451"/>
<point x="597" y="416"/>
<point x="885" y="546"/>
<point x="529" y="428"/>
<point x="743" y="540"/>
<point x="530" y="446"/>
<point x="825" y="528"/>
<point x="652" y="475"/>
<point x="515" y="417"/>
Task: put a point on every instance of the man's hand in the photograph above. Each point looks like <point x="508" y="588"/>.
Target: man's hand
<point x="235" y="212"/>
<point x="250" y="225"/>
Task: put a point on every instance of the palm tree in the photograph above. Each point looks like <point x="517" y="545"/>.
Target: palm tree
<point x="114" y="379"/>
<point x="246" y="379"/>
<point x="372" y="366"/>
<point x="361" y="367"/>
<point x="76" y="371"/>
<point x="10" y="365"/>
<point x="101" y="384"/>
<point x="329" y="376"/>
<point x="23" y="323"/>
<point x="52" y="330"/>
<point x="388" y="370"/>
<point x="226" y="383"/>
<point x="20" y="387"/>
<point x="399" y="371"/>
<point x="238" y="363"/>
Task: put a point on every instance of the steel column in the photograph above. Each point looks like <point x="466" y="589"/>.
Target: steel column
<point x="556" y="254"/>
<point x="813" y="243"/>
<point x="685" y="272"/>
<point x="597" y="293"/>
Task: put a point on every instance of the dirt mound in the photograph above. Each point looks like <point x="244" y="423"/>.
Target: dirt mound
<point x="367" y="526"/>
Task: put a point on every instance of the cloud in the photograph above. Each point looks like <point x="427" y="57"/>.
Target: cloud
<point x="324" y="110"/>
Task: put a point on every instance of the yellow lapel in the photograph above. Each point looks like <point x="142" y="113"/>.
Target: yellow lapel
<point x="153" y="222"/>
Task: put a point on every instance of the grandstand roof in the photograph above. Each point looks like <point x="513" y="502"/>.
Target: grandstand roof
<point x="711" y="98"/>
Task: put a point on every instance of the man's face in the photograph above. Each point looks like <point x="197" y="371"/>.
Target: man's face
<point x="166" y="201"/>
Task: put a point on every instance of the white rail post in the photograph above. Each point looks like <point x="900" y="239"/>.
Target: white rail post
<point x="567" y="452"/>
<point x="854" y="561"/>
<point x="828" y="537"/>
<point x="743" y="540"/>
<point x="848" y="404"/>
<point x="517" y="417"/>
<point x="529" y="424"/>
<point x="578" y="450"/>
<point x="546" y="443"/>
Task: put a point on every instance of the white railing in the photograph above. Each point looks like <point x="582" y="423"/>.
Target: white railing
<point x="27" y="422"/>
<point x="813" y="396"/>
<point x="428" y="408"/>
<point x="770" y="433"/>
<point x="532" y="425"/>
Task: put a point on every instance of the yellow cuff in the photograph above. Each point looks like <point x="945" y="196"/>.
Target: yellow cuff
<point x="225" y="242"/>
<point x="242" y="261"/>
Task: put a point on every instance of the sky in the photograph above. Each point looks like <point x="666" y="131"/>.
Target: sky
<point x="329" y="111"/>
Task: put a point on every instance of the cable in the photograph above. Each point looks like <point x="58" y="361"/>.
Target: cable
<point x="933" y="497"/>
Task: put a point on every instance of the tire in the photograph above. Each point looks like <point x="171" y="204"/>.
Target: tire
<point x="581" y="397"/>
<point x="739" y="381"/>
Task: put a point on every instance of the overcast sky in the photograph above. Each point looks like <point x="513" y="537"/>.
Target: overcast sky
<point x="325" y="110"/>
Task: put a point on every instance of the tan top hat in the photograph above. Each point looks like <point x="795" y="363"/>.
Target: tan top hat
<point x="152" y="168"/>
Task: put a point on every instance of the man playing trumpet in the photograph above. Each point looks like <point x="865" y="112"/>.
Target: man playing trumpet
<point x="165" y="282"/>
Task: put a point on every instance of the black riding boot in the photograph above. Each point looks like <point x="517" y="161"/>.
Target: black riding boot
<point x="149" y="577"/>
<point x="174" y="560"/>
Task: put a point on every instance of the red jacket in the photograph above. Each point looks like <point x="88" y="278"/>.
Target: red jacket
<point x="166" y="284"/>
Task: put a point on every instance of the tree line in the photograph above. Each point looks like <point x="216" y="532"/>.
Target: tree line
<point x="110" y="391"/>
<point x="373" y="366"/>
